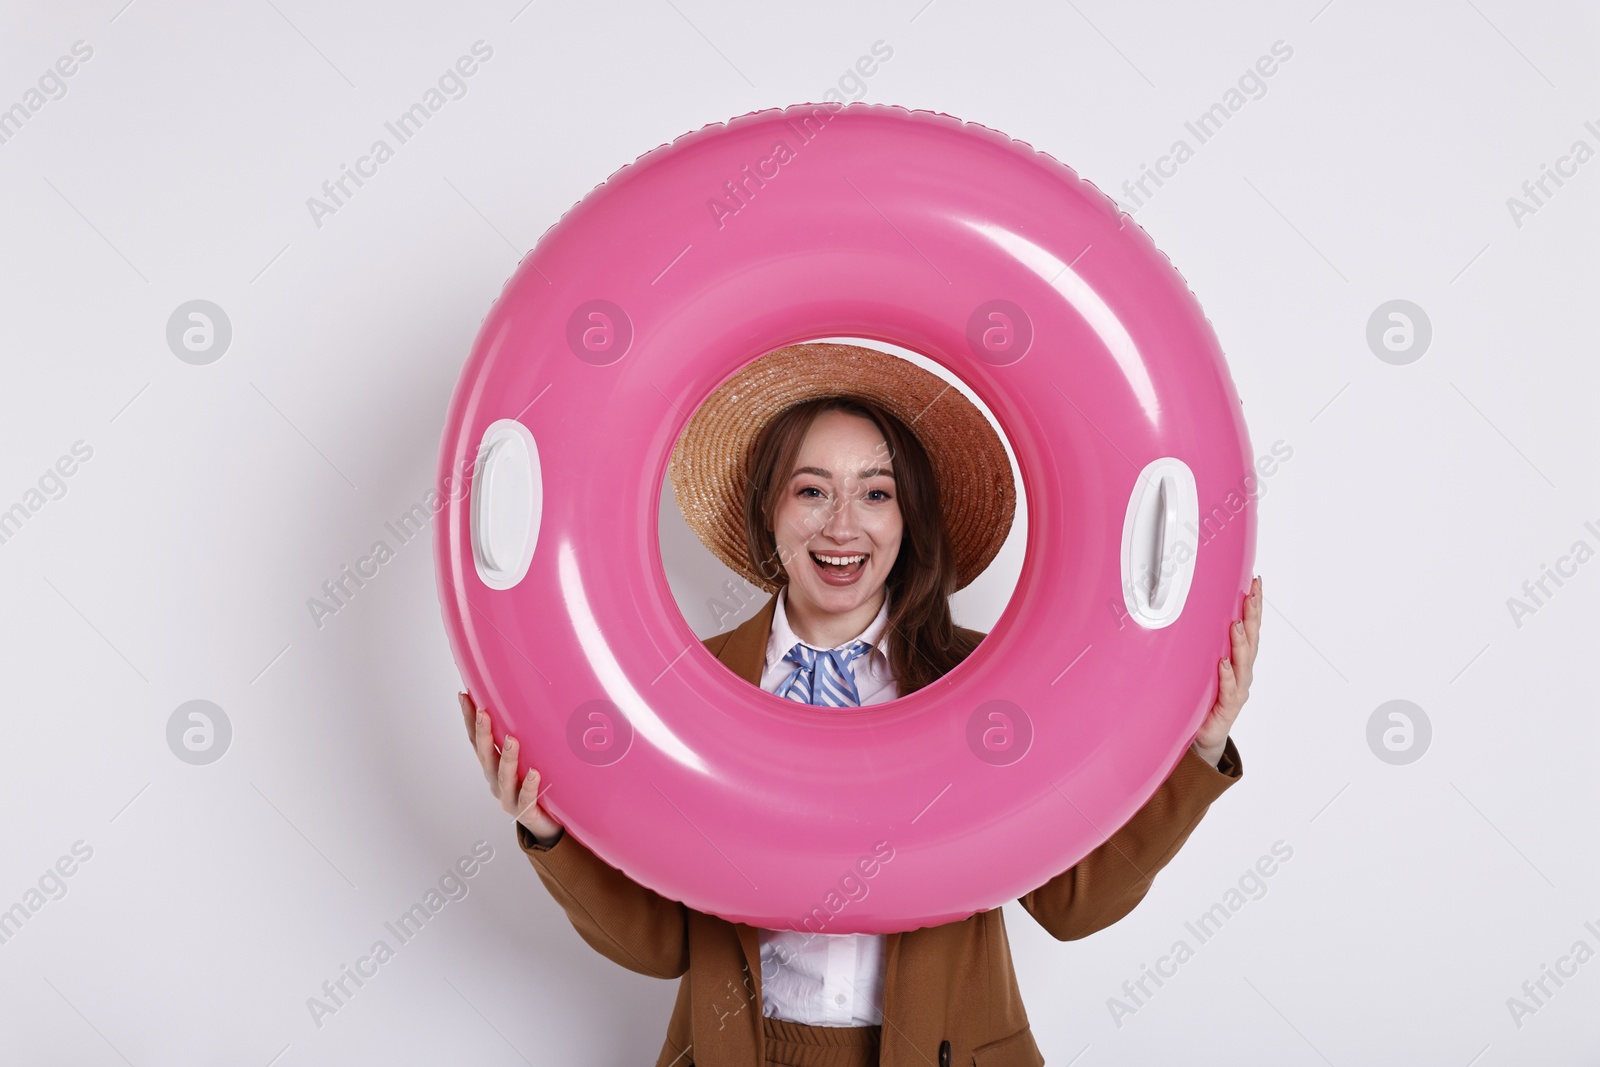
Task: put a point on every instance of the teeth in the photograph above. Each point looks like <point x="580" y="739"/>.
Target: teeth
<point x="838" y="561"/>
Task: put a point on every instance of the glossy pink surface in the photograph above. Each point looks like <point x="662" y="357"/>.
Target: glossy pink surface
<point x="871" y="222"/>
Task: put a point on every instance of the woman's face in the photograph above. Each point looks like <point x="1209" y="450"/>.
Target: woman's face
<point x="840" y="502"/>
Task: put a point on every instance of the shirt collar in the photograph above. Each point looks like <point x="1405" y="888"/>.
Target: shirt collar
<point x="783" y="638"/>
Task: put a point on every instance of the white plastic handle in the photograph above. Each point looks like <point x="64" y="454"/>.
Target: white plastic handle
<point x="1160" y="542"/>
<point x="507" y="503"/>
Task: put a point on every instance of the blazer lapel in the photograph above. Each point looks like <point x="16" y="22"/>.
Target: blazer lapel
<point x="743" y="649"/>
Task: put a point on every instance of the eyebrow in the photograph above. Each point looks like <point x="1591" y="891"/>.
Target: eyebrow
<point x="871" y="472"/>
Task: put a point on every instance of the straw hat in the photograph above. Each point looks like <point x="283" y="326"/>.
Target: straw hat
<point x="711" y="461"/>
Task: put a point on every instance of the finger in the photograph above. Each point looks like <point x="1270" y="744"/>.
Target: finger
<point x="529" y="796"/>
<point x="469" y="716"/>
<point x="1243" y="655"/>
<point x="1238" y="693"/>
<point x="507" y="785"/>
<point x="1252" y="616"/>
<point x="1227" y="691"/>
<point x="484" y="742"/>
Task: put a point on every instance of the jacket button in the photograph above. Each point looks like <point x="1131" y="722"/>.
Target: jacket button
<point x="944" y="1053"/>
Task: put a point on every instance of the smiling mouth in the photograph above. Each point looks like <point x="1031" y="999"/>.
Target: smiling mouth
<point x="839" y="565"/>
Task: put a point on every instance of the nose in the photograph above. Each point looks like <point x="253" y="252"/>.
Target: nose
<point x="840" y="519"/>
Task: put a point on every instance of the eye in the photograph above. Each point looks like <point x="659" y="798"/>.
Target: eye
<point x="809" y="489"/>
<point x="885" y="492"/>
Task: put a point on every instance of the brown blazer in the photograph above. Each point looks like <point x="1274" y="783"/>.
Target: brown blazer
<point x="941" y="983"/>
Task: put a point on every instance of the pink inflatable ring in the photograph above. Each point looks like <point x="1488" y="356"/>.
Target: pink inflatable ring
<point x="869" y="222"/>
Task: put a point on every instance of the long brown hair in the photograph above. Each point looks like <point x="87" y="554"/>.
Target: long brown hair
<point x="923" y="642"/>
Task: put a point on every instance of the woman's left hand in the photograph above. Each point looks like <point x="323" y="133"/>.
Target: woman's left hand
<point x="1233" y="680"/>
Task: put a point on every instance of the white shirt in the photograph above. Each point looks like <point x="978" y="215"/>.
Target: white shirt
<point x="813" y="978"/>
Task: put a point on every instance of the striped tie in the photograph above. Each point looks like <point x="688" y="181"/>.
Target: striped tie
<point x="824" y="678"/>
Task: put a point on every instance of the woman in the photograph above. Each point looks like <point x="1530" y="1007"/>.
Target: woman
<point x="864" y="530"/>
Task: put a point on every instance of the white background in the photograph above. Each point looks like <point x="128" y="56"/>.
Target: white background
<point x="178" y="565"/>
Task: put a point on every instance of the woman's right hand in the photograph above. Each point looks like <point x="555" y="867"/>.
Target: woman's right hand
<point x="501" y="771"/>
